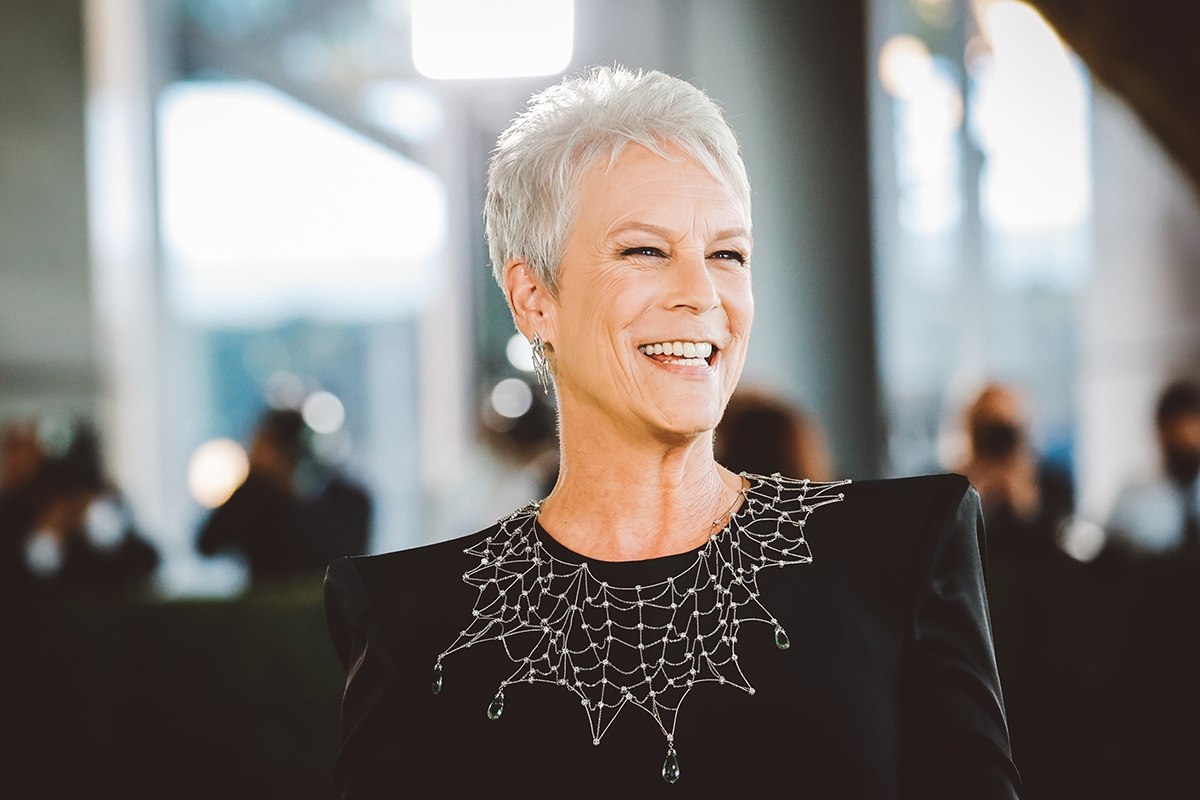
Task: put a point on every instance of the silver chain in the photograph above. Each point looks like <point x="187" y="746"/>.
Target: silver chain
<point x="645" y="645"/>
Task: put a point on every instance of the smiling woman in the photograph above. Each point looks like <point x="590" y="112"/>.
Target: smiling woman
<point x="823" y="635"/>
<point x="659" y="254"/>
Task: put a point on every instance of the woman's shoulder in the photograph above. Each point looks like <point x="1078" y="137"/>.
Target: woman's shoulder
<point x="897" y="521"/>
<point x="373" y="597"/>
<point x="912" y="486"/>
<point x="916" y="500"/>
<point x="911" y="500"/>
<point x="909" y="491"/>
<point x="421" y="565"/>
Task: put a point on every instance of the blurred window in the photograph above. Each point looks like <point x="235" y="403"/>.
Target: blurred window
<point x="983" y="230"/>
<point x="271" y="210"/>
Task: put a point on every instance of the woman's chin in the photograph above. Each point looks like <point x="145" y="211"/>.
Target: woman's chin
<point x="687" y="424"/>
<point x="673" y="416"/>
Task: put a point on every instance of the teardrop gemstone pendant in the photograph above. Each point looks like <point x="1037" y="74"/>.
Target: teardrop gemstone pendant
<point x="436" y="686"/>
<point x="497" y="706"/>
<point x="670" y="770"/>
<point x="781" y="639"/>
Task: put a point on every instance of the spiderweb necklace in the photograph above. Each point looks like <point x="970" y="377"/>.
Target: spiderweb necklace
<point x="645" y="645"/>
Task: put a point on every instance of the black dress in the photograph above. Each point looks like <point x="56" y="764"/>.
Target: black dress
<point x="889" y="687"/>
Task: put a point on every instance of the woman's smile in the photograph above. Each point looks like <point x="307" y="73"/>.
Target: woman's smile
<point x="686" y="353"/>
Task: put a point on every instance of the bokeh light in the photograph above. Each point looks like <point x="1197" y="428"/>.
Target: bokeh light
<point x="512" y="398"/>
<point x="904" y="65"/>
<point x="105" y="523"/>
<point x="323" y="412"/>
<point x="1081" y="539"/>
<point x="519" y="352"/>
<point x="217" y="468"/>
<point x="407" y="109"/>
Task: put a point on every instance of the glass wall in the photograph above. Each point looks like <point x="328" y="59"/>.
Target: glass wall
<point x="981" y="165"/>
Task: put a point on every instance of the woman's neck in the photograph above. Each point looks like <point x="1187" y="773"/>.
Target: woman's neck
<point x="627" y="498"/>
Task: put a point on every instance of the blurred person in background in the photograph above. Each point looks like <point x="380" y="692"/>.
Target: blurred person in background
<point x="21" y="459"/>
<point x="764" y="434"/>
<point x="1154" y="549"/>
<point x="1024" y="499"/>
<point x="293" y="514"/>
<point x="1161" y="517"/>
<point x="62" y="525"/>
<point x="1025" y="503"/>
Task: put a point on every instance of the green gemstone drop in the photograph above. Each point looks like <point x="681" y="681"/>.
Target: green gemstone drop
<point x="781" y="639"/>
<point x="436" y="686"/>
<point x="670" y="770"/>
<point x="497" y="707"/>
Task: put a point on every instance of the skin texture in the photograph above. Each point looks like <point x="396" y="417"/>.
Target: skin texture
<point x="660" y="252"/>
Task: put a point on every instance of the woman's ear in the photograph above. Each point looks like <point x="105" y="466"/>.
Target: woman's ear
<point x="531" y="304"/>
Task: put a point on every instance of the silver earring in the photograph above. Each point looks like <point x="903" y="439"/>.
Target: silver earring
<point x="541" y="367"/>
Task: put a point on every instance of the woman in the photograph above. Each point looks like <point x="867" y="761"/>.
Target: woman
<point x="652" y="579"/>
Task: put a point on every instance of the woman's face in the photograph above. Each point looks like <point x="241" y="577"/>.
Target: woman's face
<point x="658" y="261"/>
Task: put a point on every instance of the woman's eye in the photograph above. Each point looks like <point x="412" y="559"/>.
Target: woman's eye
<point x="730" y="255"/>
<point x="649" y="252"/>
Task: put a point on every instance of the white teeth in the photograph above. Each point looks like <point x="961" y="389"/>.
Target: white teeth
<point x="689" y="353"/>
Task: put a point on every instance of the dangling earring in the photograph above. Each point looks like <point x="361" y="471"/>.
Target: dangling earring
<point x="541" y="367"/>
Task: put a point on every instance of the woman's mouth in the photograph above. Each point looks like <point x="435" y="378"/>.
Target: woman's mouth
<point x="686" y="354"/>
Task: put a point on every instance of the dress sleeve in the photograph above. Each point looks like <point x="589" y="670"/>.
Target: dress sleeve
<point x="372" y="707"/>
<point x="955" y="735"/>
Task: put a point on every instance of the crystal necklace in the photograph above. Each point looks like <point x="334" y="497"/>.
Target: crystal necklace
<point x="642" y="645"/>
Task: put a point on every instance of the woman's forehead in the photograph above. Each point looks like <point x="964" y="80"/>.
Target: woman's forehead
<point x="642" y="188"/>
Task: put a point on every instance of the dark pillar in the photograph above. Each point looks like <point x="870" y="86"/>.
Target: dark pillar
<point x="792" y="79"/>
<point x="45" y="293"/>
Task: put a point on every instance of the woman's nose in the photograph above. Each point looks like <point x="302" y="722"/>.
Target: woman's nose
<point x="691" y="283"/>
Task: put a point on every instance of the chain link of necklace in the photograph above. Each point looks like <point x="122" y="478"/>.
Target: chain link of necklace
<point x="645" y="645"/>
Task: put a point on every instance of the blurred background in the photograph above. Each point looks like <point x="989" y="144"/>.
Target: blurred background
<point x="247" y="325"/>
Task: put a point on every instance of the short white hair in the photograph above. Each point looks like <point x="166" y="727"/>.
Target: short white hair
<point x="541" y="158"/>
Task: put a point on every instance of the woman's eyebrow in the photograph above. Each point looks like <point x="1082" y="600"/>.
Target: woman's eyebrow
<point x="733" y="233"/>
<point x="663" y="233"/>
<point x="644" y="227"/>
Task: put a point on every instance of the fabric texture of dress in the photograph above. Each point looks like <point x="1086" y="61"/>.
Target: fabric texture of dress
<point x="889" y="688"/>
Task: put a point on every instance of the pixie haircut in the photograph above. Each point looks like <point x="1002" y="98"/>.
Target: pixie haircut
<point x="541" y="158"/>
